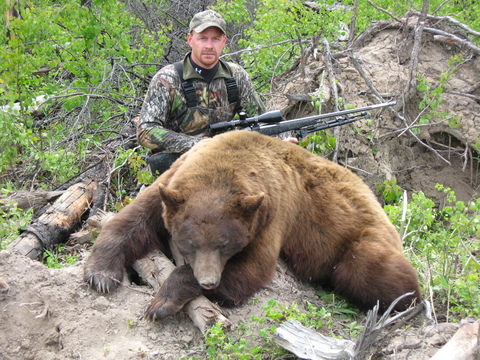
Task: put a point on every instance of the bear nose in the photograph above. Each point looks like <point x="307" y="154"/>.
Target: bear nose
<point x="208" y="283"/>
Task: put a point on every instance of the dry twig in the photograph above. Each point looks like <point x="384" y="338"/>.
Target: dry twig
<point x="334" y="90"/>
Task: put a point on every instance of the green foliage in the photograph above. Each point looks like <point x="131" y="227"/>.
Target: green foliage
<point x="79" y="37"/>
<point x="220" y="346"/>
<point x="59" y="257"/>
<point x="85" y="62"/>
<point x="316" y="318"/>
<point x="319" y="142"/>
<point x="432" y="97"/>
<point x="391" y="192"/>
<point x="465" y="11"/>
<point x="136" y="164"/>
<point x="12" y="220"/>
<point x="276" y="42"/>
<point x="441" y="242"/>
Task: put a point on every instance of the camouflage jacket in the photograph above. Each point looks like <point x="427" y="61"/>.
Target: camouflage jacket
<point x="167" y="125"/>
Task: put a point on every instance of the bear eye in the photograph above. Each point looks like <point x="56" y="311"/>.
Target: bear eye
<point x="224" y="243"/>
<point x="185" y="246"/>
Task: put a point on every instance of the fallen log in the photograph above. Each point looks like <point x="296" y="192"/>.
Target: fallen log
<point x="156" y="268"/>
<point x="56" y="223"/>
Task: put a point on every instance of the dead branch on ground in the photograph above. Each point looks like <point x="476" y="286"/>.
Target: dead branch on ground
<point x="464" y="345"/>
<point x="411" y="90"/>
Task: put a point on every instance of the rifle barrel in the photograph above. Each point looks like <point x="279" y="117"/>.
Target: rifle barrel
<point x="348" y="111"/>
<point x="270" y="122"/>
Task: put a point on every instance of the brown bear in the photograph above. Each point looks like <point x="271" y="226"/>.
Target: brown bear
<point x="234" y="204"/>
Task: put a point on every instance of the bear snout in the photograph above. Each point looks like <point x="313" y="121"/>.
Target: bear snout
<point x="208" y="282"/>
<point x="207" y="268"/>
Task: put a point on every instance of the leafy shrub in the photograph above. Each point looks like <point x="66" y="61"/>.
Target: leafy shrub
<point x="465" y="11"/>
<point x="276" y="42"/>
<point x="89" y="65"/>
<point x="441" y="241"/>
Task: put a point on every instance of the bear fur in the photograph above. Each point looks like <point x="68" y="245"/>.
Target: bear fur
<point x="234" y="204"/>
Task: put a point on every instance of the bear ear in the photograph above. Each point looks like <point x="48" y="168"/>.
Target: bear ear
<point x="170" y="197"/>
<point x="251" y="203"/>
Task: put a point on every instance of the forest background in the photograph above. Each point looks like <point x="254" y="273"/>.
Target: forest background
<point x="74" y="74"/>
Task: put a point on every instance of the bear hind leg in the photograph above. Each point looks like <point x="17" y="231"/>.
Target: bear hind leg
<point x="369" y="273"/>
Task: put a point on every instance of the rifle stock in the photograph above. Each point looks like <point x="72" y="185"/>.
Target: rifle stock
<point x="271" y="123"/>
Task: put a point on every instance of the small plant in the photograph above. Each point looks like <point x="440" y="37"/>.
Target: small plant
<point x="131" y="324"/>
<point x="130" y="169"/>
<point x="391" y="192"/>
<point x="319" y="142"/>
<point x="432" y="98"/>
<point x="315" y="317"/>
<point x="136" y="164"/>
<point x="220" y="346"/>
<point x="59" y="257"/>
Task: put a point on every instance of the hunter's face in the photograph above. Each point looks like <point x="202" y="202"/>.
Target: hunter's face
<point x="207" y="46"/>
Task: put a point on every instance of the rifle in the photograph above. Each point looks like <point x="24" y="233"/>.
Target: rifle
<point x="272" y="123"/>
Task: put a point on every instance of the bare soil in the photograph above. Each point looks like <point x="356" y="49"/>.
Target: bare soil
<point x="51" y="314"/>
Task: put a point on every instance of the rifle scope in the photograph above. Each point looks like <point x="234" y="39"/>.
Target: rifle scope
<point x="268" y="117"/>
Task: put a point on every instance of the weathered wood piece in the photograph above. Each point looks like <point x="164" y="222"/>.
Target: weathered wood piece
<point x="29" y="199"/>
<point x="308" y="344"/>
<point x="56" y="223"/>
<point x="464" y="345"/>
<point x="81" y="237"/>
<point x="100" y="219"/>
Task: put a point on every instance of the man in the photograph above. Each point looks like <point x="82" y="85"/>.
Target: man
<point x="184" y="98"/>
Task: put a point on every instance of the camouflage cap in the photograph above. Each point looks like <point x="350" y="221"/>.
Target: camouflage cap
<point x="206" y="19"/>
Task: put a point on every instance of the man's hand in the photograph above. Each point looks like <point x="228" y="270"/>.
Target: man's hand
<point x="291" y="139"/>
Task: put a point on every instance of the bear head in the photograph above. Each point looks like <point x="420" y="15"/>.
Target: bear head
<point x="209" y="227"/>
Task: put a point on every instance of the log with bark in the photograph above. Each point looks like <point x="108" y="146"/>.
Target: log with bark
<point x="56" y="223"/>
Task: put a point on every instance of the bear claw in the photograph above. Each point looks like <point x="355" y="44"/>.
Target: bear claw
<point x="159" y="310"/>
<point x="101" y="282"/>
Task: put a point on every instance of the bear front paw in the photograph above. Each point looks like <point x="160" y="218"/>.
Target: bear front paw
<point x="102" y="281"/>
<point x="177" y="290"/>
<point x="160" y="309"/>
